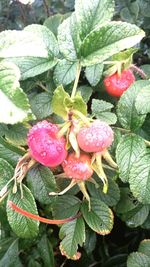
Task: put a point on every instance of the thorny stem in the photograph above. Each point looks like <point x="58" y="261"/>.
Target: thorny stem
<point x="76" y="81"/>
<point x="139" y="71"/>
<point x="38" y="218"/>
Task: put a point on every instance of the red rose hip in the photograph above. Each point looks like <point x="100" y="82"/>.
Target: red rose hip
<point x="78" y="168"/>
<point x="117" y="84"/>
<point x="95" y="138"/>
<point x="44" y="144"/>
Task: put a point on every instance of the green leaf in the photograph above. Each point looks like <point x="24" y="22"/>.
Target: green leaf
<point x="12" y="98"/>
<point x="33" y="66"/>
<point x="41" y="105"/>
<point x="9" y="152"/>
<point x="65" y="72"/>
<point x="108" y="40"/>
<point x="126" y="111"/>
<point x="144" y="247"/>
<point x="100" y="218"/>
<point x="143" y="100"/>
<point x="130" y="147"/>
<point x="11" y="257"/>
<point x="66" y="44"/>
<point x="79" y="104"/>
<point x="112" y="196"/>
<point x="34" y="49"/>
<point x="21" y="225"/>
<point x="102" y="111"/>
<point x="41" y="182"/>
<point x="70" y="204"/>
<point x="136" y="217"/>
<point x="46" y="251"/>
<point x="137" y="259"/>
<point x="62" y="102"/>
<point x="58" y="102"/>
<point x="130" y="13"/>
<point x="139" y="178"/>
<point x="92" y="14"/>
<point x="86" y="92"/>
<point x="6" y="173"/>
<point x="94" y="73"/>
<point x="17" y="134"/>
<point x="90" y="242"/>
<point x="127" y="202"/>
<point x="54" y="21"/>
<point x="73" y="234"/>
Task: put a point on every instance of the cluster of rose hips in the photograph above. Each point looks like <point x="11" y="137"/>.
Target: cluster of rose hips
<point x="50" y="149"/>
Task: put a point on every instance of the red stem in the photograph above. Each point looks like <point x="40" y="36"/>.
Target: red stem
<point x="38" y="218"/>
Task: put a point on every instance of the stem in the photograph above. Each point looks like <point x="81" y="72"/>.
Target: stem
<point x="42" y="86"/>
<point x="38" y="218"/>
<point x="46" y="8"/>
<point x="139" y="71"/>
<point x="81" y="116"/>
<point x="147" y="142"/>
<point x="76" y="81"/>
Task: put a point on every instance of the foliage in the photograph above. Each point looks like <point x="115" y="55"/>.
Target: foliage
<point x="53" y="68"/>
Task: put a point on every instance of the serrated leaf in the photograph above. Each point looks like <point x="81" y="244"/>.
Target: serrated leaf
<point x="41" y="105"/>
<point x="126" y="111"/>
<point x="33" y="66"/>
<point x="58" y="102"/>
<point x="102" y="111"/>
<point x="6" y="172"/>
<point x="46" y="251"/>
<point x="139" y="178"/>
<point x="73" y="234"/>
<point x="136" y="217"/>
<point x="65" y="72"/>
<point x="12" y="98"/>
<point x="112" y="196"/>
<point x="137" y="259"/>
<point x="130" y="147"/>
<point x="108" y="40"/>
<point x="23" y="227"/>
<point x="92" y="14"/>
<point x="142" y="103"/>
<point x="100" y="218"/>
<point x="9" y="152"/>
<point x="70" y="204"/>
<point x="38" y="41"/>
<point x="41" y="182"/>
<point x="65" y="40"/>
<point x="86" y="92"/>
<point x="144" y="247"/>
<point x="34" y="49"/>
<point x="11" y="257"/>
<point x="17" y="134"/>
<point x="94" y="73"/>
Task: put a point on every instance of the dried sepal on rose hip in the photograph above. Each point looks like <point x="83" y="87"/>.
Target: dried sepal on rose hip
<point x="116" y="84"/>
<point x="96" y="139"/>
<point x="79" y="170"/>
<point x="45" y="145"/>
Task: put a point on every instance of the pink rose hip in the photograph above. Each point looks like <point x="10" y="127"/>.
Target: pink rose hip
<point x="44" y="144"/>
<point x="95" y="138"/>
<point x="78" y="168"/>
